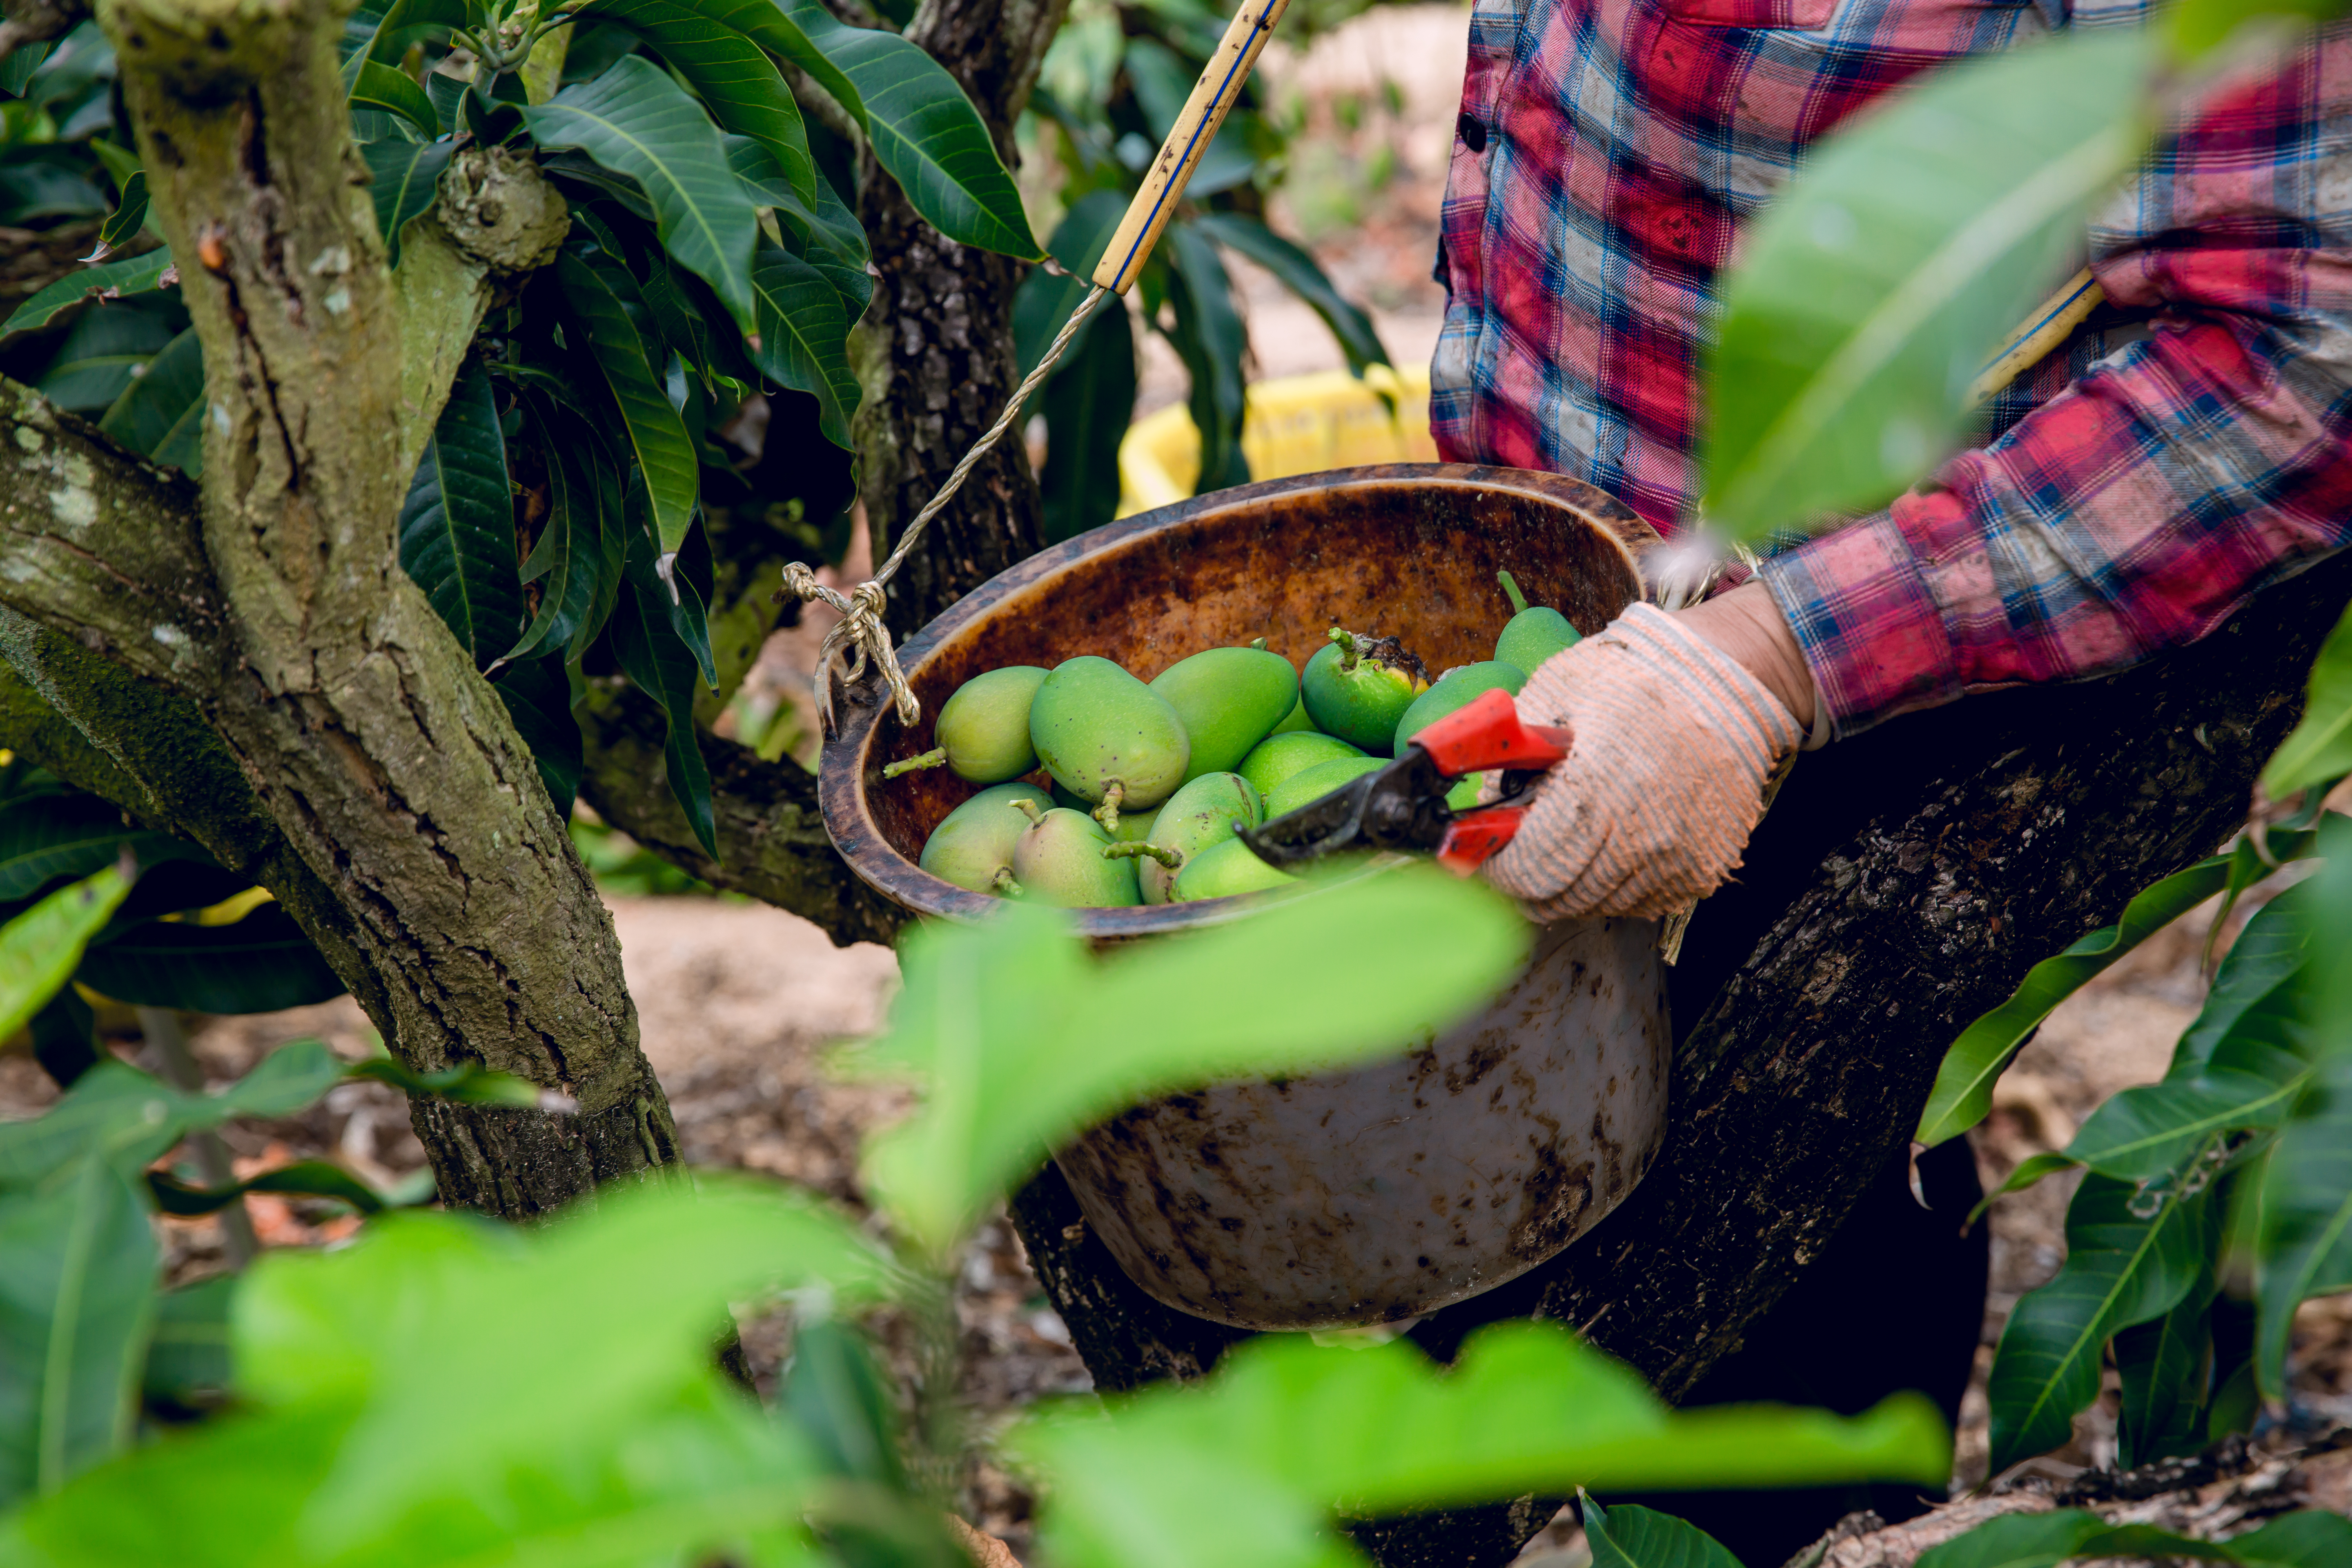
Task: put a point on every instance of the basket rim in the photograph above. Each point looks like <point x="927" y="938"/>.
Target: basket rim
<point x="858" y="706"/>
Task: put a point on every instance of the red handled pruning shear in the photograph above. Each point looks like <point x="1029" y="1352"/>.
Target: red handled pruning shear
<point x="1403" y="805"/>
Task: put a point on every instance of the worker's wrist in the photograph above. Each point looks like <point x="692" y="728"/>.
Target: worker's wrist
<point x="1745" y="627"/>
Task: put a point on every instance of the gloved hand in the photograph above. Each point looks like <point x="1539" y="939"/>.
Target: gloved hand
<point x="1680" y="720"/>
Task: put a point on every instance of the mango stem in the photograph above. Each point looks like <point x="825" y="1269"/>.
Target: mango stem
<point x="1258" y="643"/>
<point x="1026" y="807"/>
<point x="1511" y="586"/>
<point x="1137" y="849"/>
<point x="1346" y="641"/>
<point x="1003" y="885"/>
<point x="1108" y="812"/>
<point x="929" y="759"/>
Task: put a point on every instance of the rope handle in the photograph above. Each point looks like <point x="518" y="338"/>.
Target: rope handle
<point x="860" y="641"/>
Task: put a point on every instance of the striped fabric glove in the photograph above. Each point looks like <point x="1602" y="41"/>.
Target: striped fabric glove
<point x="1664" y="782"/>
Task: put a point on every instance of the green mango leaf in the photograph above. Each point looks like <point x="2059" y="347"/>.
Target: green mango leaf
<point x="1870" y="293"/>
<point x="108" y="347"/>
<point x="657" y="436"/>
<point x="566" y="558"/>
<point x="403" y="179"/>
<point x="132" y="1119"/>
<point x="382" y="33"/>
<point x="744" y="91"/>
<point x="2320" y="746"/>
<point x="635" y="121"/>
<point x="262" y="964"/>
<point x="632" y="1288"/>
<point x="1285" y="1434"/>
<point x="1962" y="1094"/>
<point x="1210" y="337"/>
<point x="804" y="337"/>
<point x="2030" y="1172"/>
<point x="2305" y="1236"/>
<point x="2268" y="956"/>
<point x="187" y="1354"/>
<point x="825" y="234"/>
<point x="2307" y="1539"/>
<point x="1088" y="405"/>
<point x="2131" y="1256"/>
<point x="2167" y="1367"/>
<point x="348" y="1360"/>
<point x="129" y="217"/>
<point x="537" y="697"/>
<point x="139" y="274"/>
<point x="390" y="90"/>
<point x="75" y="1303"/>
<point x="1630" y="1537"/>
<point x="40" y="948"/>
<point x="922" y="128"/>
<point x="303" y="1178"/>
<point x="160" y="415"/>
<point x="2312" y="1538"/>
<point x="665" y="666"/>
<point x="1297" y="271"/>
<point x="44" y="838"/>
<point x="834" y="1394"/>
<point x="457" y="526"/>
<point x="1000" y="1022"/>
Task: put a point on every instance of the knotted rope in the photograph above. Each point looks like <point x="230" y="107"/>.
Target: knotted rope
<point x="859" y="637"/>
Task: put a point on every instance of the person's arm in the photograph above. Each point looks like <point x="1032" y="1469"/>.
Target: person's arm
<point x="2137" y="508"/>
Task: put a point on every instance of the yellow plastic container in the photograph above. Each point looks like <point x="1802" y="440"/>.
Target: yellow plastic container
<point x="1298" y="425"/>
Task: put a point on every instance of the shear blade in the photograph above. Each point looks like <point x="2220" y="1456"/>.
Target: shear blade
<point x="1327" y="822"/>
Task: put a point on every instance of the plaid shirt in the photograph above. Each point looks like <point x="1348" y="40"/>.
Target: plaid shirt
<point x="2192" y="443"/>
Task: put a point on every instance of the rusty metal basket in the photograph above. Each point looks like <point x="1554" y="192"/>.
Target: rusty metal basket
<point x="1386" y="1190"/>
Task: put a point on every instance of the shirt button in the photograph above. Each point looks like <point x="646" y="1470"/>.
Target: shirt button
<point x="1473" y="131"/>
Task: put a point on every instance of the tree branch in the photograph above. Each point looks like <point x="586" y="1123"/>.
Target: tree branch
<point x="496" y="220"/>
<point x="776" y="846"/>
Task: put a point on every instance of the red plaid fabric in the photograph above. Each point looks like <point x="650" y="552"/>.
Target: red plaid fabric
<point x="2192" y="443"/>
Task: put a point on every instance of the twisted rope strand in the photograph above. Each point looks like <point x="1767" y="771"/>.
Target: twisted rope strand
<point x="860" y="636"/>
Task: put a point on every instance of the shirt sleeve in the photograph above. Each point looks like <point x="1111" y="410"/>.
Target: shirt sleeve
<point x="2138" y="507"/>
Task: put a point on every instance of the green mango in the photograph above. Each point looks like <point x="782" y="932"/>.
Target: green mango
<point x="1297" y="720"/>
<point x="1223" y="869"/>
<point x="1277" y="757"/>
<point x="982" y="729"/>
<point x="1534" y="633"/>
<point x="1357" y="693"/>
<point x="1230" y="699"/>
<point x="1058" y="859"/>
<point x="972" y="844"/>
<point x="1106" y="736"/>
<point x="1464" y="795"/>
<point x="1203" y="813"/>
<point x="1455" y="689"/>
<point x="1315" y="782"/>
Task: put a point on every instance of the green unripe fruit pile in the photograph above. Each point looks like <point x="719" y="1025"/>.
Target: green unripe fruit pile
<point x="974" y="847"/>
<point x="1058" y="859"/>
<point x="1106" y="736"/>
<point x="1230" y="699"/>
<point x="1277" y="757"/>
<point x="1107" y="792"/>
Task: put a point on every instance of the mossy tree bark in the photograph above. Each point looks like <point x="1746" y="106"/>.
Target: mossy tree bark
<point x="250" y="655"/>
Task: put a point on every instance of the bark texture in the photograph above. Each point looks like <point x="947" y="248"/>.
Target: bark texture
<point x="406" y="827"/>
<point x="1900" y="887"/>
<point x="935" y="350"/>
